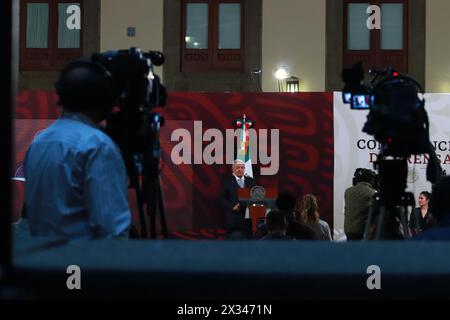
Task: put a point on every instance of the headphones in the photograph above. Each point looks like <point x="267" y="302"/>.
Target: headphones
<point x="363" y="174"/>
<point x="96" y="90"/>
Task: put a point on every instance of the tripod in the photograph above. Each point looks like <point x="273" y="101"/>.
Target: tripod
<point x="152" y="180"/>
<point x="137" y="135"/>
<point x="390" y="206"/>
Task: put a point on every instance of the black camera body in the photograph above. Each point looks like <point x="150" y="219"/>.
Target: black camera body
<point x="136" y="91"/>
<point x="135" y="85"/>
<point x="397" y="117"/>
<point x="135" y="128"/>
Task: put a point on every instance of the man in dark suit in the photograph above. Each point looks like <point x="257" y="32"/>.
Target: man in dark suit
<point x="234" y="209"/>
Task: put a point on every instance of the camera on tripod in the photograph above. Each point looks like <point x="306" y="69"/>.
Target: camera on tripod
<point x="135" y="128"/>
<point x="398" y="120"/>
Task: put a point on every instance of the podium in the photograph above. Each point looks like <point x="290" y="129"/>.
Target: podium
<point x="257" y="199"/>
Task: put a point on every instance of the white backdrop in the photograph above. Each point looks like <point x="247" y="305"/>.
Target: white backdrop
<point x="355" y="149"/>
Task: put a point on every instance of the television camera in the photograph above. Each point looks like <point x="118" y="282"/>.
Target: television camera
<point x="398" y="120"/>
<point x="135" y="127"/>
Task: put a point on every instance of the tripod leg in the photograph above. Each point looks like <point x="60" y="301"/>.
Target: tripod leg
<point x="162" y="213"/>
<point x="152" y="208"/>
<point x="366" y="235"/>
<point x="380" y="224"/>
<point x="133" y="174"/>
<point x="140" y="204"/>
<point x="152" y="225"/>
<point x="404" y="222"/>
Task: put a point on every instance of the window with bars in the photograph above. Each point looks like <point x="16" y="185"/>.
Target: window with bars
<point x="46" y="41"/>
<point x="212" y="36"/>
<point x="383" y="47"/>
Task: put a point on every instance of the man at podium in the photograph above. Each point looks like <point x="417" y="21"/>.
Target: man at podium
<point x="234" y="209"/>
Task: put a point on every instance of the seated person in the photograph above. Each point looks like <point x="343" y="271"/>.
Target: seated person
<point x="420" y="218"/>
<point x="309" y="215"/>
<point x="276" y="226"/>
<point x="286" y="204"/>
<point x="440" y="206"/>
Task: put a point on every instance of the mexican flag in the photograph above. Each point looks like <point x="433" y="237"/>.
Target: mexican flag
<point x="243" y="152"/>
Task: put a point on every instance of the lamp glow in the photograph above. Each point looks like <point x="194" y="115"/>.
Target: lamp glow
<point x="281" y="73"/>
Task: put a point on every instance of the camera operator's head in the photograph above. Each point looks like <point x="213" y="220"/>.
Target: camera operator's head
<point x="365" y="175"/>
<point x="85" y="87"/>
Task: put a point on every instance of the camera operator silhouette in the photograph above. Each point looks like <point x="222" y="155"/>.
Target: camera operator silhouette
<point x="358" y="199"/>
<point x="76" y="182"/>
